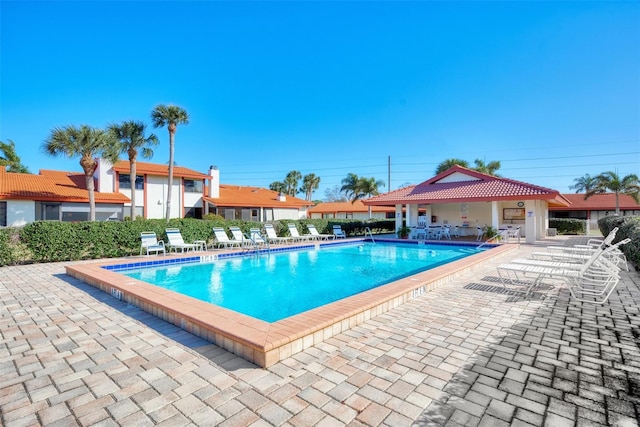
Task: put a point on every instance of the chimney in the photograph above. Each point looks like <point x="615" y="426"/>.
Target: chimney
<point x="214" y="182"/>
<point x="282" y="197"/>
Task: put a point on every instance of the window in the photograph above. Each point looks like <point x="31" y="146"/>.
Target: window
<point x="192" y="186"/>
<point x="3" y="214"/>
<point x="124" y="181"/>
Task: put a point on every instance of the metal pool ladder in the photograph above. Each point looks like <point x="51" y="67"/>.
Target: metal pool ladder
<point x="367" y="229"/>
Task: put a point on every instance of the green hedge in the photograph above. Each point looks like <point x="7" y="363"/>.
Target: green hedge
<point x="568" y="225"/>
<point x="628" y="226"/>
<point x="51" y="241"/>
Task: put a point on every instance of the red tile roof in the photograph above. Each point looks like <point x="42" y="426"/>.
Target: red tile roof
<point x="597" y="202"/>
<point x="245" y="196"/>
<point x="51" y="186"/>
<point x="357" y="206"/>
<point x="459" y="184"/>
<point x="143" y="168"/>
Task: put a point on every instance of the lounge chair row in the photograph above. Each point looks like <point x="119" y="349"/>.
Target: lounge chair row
<point x="590" y="272"/>
<point x="150" y="243"/>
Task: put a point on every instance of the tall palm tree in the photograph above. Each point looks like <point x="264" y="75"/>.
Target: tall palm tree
<point x="488" y="168"/>
<point x="86" y="142"/>
<point x="310" y="183"/>
<point x="10" y="159"/>
<point x="584" y="184"/>
<point x="611" y="181"/>
<point x="170" y="116"/>
<point x="131" y="135"/>
<point x="449" y="163"/>
<point x="291" y="182"/>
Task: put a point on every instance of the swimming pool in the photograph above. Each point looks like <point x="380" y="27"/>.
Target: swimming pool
<point x="272" y="287"/>
<point x="266" y="343"/>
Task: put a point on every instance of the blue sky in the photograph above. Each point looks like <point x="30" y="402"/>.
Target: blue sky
<point x="551" y="89"/>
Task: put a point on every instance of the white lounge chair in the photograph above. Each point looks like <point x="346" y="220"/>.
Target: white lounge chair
<point x="177" y="242"/>
<point x="238" y="236"/>
<point x="597" y="277"/>
<point x="296" y="236"/>
<point x="480" y="233"/>
<point x="222" y="239"/>
<point x="272" y="236"/>
<point x="150" y="243"/>
<point x="338" y="232"/>
<point x="314" y="233"/>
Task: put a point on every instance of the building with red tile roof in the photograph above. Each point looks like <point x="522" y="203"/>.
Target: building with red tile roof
<point x="63" y="196"/>
<point x="595" y="207"/>
<point x="470" y="199"/>
<point x="348" y="210"/>
<point x="51" y="195"/>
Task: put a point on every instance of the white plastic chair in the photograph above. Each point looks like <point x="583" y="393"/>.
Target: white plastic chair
<point x="150" y="243"/>
<point x="338" y="232"/>
<point x="177" y="242"/>
<point x="223" y="240"/>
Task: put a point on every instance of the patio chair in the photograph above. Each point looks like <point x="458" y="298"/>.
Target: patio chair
<point x="150" y="243"/>
<point x="446" y="232"/>
<point x="338" y="232"/>
<point x="597" y="277"/>
<point x="480" y="233"/>
<point x="238" y="236"/>
<point x="297" y="237"/>
<point x="177" y="242"/>
<point x="222" y="239"/>
<point x="318" y="236"/>
<point x="512" y="233"/>
<point x="272" y="236"/>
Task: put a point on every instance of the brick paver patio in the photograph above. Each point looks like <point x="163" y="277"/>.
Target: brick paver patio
<point x="467" y="354"/>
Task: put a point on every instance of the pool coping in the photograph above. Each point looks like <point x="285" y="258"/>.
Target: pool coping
<point x="260" y="342"/>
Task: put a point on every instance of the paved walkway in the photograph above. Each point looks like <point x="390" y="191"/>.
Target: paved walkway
<point x="467" y="354"/>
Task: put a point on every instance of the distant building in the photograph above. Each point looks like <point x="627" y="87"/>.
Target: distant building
<point x="469" y="199"/>
<point x="348" y="210"/>
<point x="63" y="196"/>
<point x="595" y="207"/>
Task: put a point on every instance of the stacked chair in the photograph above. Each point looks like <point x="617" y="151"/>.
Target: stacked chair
<point x="591" y="273"/>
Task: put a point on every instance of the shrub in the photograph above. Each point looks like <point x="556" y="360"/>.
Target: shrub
<point x="51" y="241"/>
<point x="628" y="226"/>
<point x="569" y="225"/>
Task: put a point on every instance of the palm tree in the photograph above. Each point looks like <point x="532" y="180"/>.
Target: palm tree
<point x="291" y="182"/>
<point x="10" y="158"/>
<point x="487" y="168"/>
<point x="278" y="186"/>
<point x="350" y="187"/>
<point x="131" y="136"/>
<point x="86" y="142"/>
<point x="170" y="116"/>
<point x="584" y="184"/>
<point x="310" y="183"/>
<point x="449" y="163"/>
<point x="356" y="187"/>
<point x="611" y="182"/>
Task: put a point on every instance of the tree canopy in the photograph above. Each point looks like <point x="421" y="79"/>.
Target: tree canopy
<point x="87" y="143"/>
<point x="610" y="181"/>
<point x="10" y="159"/>
<point x="132" y="139"/>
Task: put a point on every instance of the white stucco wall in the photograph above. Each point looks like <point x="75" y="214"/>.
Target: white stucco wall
<point x="157" y="196"/>
<point x="20" y="212"/>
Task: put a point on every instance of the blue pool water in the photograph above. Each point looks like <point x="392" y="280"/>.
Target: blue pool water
<point x="274" y="286"/>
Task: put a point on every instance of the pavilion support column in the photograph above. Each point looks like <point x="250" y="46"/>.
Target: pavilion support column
<point x="530" y="221"/>
<point x="398" y="216"/>
<point x="412" y="215"/>
<point x="495" y="215"/>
